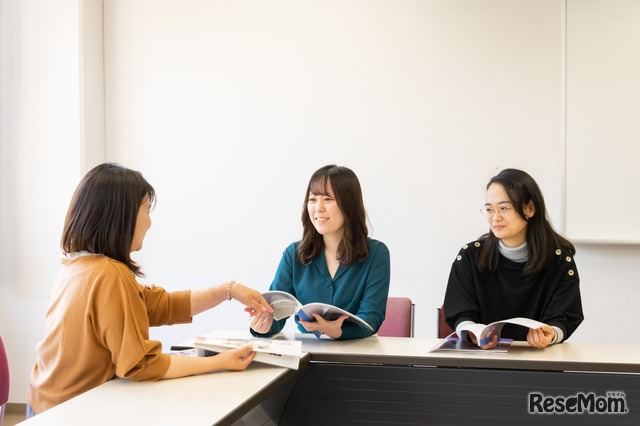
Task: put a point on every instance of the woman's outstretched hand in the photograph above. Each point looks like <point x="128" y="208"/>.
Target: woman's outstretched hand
<point x="251" y="298"/>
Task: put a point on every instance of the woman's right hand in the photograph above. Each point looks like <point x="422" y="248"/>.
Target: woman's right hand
<point x="261" y="322"/>
<point x="232" y="360"/>
<point x="252" y="299"/>
<point x="492" y="343"/>
<point x="235" y="359"/>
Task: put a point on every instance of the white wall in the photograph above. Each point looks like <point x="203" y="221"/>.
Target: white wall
<point x="227" y="107"/>
<point x="40" y="165"/>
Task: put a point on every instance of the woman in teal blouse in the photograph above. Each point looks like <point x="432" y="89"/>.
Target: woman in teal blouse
<point x="335" y="262"/>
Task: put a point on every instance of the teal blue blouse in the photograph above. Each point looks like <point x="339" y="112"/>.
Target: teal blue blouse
<point x="361" y="288"/>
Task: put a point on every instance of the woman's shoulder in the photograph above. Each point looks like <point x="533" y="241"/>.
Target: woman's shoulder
<point x="98" y="264"/>
<point x="293" y="247"/>
<point x="375" y="243"/>
<point x="469" y="251"/>
<point x="291" y="251"/>
<point x="101" y="273"/>
<point x="377" y="246"/>
<point x="562" y="255"/>
<point x="472" y="246"/>
<point x="559" y="250"/>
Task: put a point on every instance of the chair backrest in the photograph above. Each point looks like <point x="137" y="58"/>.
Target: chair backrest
<point x="443" y="328"/>
<point x="398" y="321"/>
<point x="4" y="380"/>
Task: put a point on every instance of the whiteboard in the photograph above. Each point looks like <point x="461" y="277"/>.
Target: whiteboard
<point x="603" y="121"/>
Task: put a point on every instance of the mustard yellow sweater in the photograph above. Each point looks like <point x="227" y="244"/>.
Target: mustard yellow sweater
<point x="97" y="328"/>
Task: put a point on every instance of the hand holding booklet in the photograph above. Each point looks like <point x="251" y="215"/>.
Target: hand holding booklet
<point x="285" y="305"/>
<point x="282" y="353"/>
<point x="483" y="334"/>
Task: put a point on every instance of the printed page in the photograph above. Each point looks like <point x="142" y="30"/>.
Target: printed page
<point x="284" y="304"/>
<point x="482" y="331"/>
<point x="330" y="313"/>
<point x="453" y="343"/>
<point x="495" y="327"/>
<point x="476" y="329"/>
<point x="282" y="347"/>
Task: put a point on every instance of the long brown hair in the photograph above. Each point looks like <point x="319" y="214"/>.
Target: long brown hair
<point x="348" y="195"/>
<point x="102" y="215"/>
<point x="541" y="239"/>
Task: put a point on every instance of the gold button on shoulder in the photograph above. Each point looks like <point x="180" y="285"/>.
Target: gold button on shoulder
<point x="477" y="244"/>
<point x="466" y="246"/>
<point x="558" y="252"/>
<point x="459" y="257"/>
<point x="568" y="258"/>
<point x="571" y="272"/>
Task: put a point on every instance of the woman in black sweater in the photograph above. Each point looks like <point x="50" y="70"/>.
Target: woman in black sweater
<point x="520" y="268"/>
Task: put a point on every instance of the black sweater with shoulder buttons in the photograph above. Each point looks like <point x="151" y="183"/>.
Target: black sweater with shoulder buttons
<point x="552" y="297"/>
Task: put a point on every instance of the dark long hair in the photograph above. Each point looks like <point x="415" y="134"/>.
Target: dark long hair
<point x="542" y="240"/>
<point x="103" y="211"/>
<point x="348" y="195"/>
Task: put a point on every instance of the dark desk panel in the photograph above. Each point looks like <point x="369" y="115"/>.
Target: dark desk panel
<point x="341" y="394"/>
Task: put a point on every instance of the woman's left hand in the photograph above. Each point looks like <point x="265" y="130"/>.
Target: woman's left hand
<point x="332" y="329"/>
<point x="541" y="337"/>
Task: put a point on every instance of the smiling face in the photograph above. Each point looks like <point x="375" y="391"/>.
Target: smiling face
<point x="506" y="224"/>
<point x="325" y="214"/>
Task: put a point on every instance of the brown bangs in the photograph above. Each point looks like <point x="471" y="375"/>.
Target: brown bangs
<point x="319" y="185"/>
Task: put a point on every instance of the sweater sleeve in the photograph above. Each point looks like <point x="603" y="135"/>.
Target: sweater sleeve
<point x="563" y="308"/>
<point x="121" y="323"/>
<point x="166" y="308"/>
<point x="461" y="300"/>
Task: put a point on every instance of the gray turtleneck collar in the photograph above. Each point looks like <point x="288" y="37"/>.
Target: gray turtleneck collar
<point x="518" y="254"/>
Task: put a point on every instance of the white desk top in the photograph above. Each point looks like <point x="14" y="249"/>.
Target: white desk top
<point x="215" y="397"/>
<point x="197" y="400"/>
<point x="611" y="358"/>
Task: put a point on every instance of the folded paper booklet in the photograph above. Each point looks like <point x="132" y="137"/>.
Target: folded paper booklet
<point x="285" y="305"/>
<point x="282" y="353"/>
<point x="482" y="331"/>
<point x="453" y="343"/>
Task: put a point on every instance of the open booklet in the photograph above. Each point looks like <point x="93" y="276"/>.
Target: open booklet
<point x="483" y="333"/>
<point x="282" y="353"/>
<point x="453" y="343"/>
<point x="285" y="305"/>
